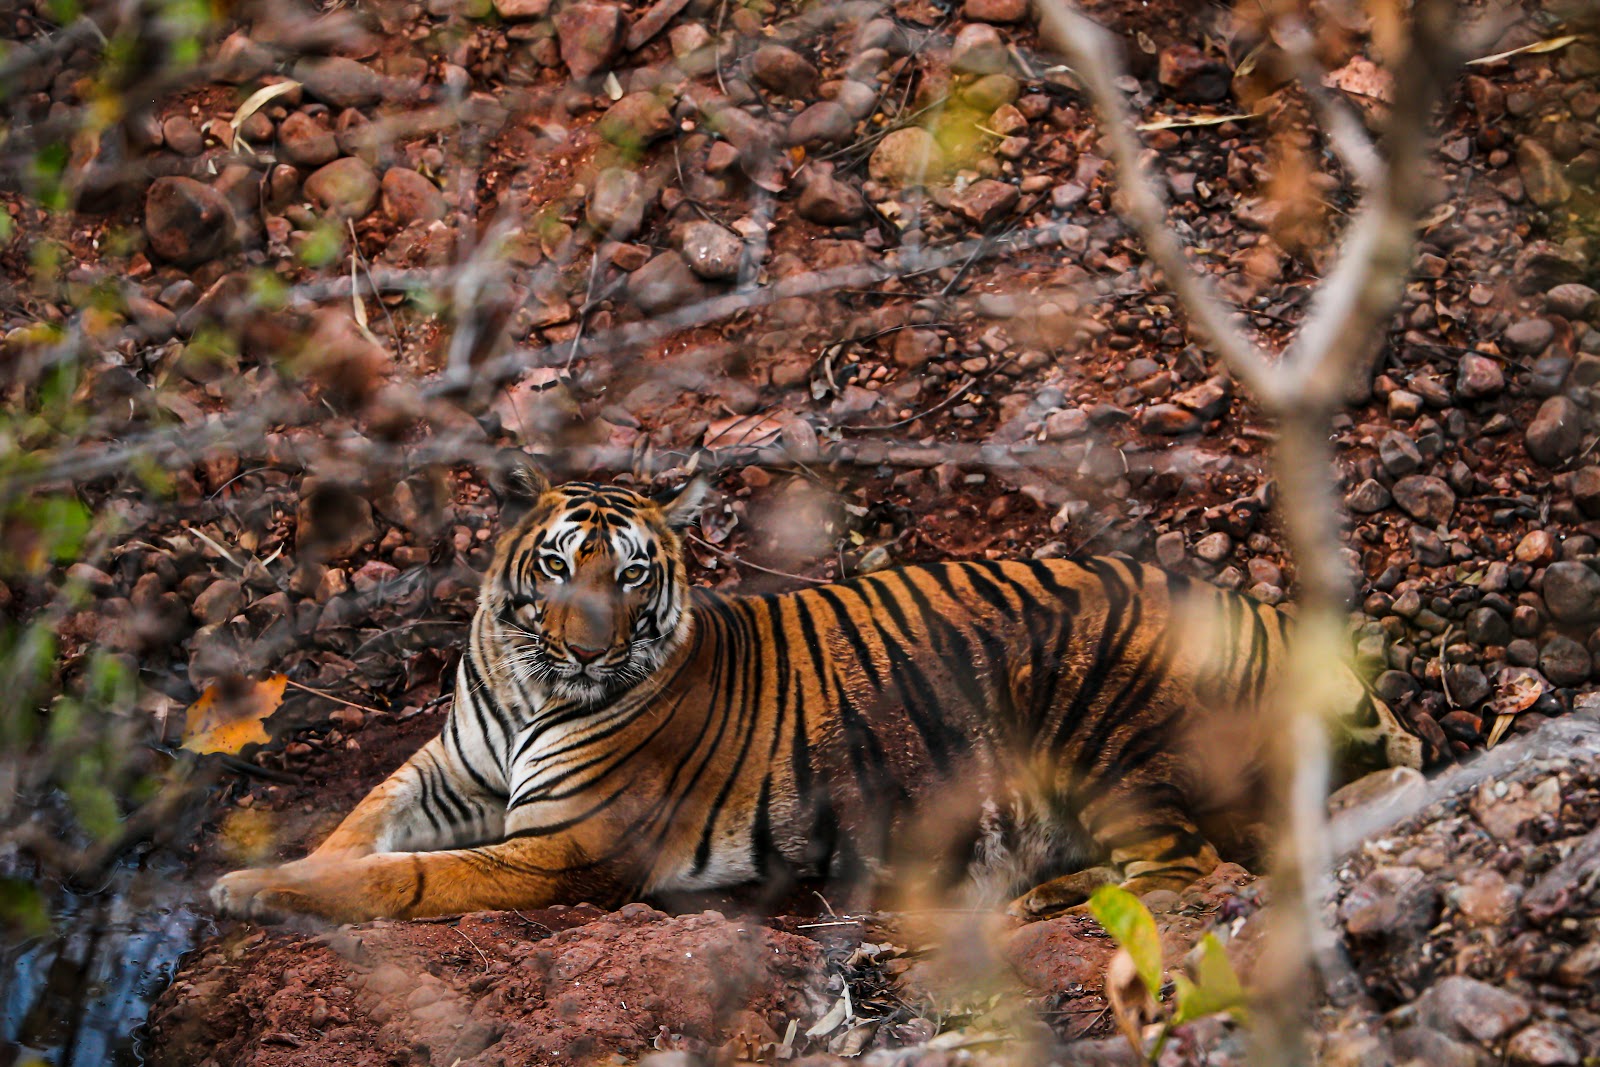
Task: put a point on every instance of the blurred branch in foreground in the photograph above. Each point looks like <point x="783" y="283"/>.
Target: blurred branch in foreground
<point x="1302" y="390"/>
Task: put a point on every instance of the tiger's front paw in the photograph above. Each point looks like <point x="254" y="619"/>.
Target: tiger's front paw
<point x="1067" y="895"/>
<point x="263" y="894"/>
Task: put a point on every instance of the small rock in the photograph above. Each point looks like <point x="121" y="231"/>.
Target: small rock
<point x="409" y="197"/>
<point x="182" y="136"/>
<point x="305" y="142"/>
<point x="907" y="157"/>
<point x="1486" y="626"/>
<point x="635" y="121"/>
<point x="617" y="203"/>
<point x="978" y="49"/>
<point x="1529" y="337"/>
<point x="1484" y="898"/>
<point x="521" y="10"/>
<point x="985" y="200"/>
<point x="1425" y="498"/>
<point x="1479" y="378"/>
<point x="1586" y="491"/>
<point x="220" y="601"/>
<point x="1572" y="301"/>
<point x="1169" y="420"/>
<point x="1389" y="904"/>
<point x="1399" y="454"/>
<point x="665" y="283"/>
<point x="823" y="123"/>
<point x="1544" y="1044"/>
<point x="346" y="188"/>
<point x="1556" y="433"/>
<point x="187" y="221"/>
<point x="1535" y="549"/>
<point x="590" y="35"/>
<point x="783" y="71"/>
<point x="1542" y="176"/>
<point x="1470" y="1008"/>
<point x="1565" y="662"/>
<point x="1468" y="684"/>
<point x="1191" y="76"/>
<point x="829" y="201"/>
<point x="1368" y="497"/>
<point x="992" y="91"/>
<point x="1005" y="11"/>
<point x="713" y="252"/>
<point x="340" y="82"/>
<point x="1214" y="547"/>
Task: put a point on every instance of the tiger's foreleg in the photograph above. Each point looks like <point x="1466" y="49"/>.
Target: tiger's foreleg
<point x="514" y="874"/>
<point x="430" y="802"/>
<point x="1150" y="845"/>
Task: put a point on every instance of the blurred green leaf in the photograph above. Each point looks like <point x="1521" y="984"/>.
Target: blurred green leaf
<point x="1131" y="926"/>
<point x="23" y="908"/>
<point x="1215" y="989"/>
<point x="91" y="797"/>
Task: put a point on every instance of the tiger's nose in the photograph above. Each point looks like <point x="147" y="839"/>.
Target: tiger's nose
<point x="583" y="654"/>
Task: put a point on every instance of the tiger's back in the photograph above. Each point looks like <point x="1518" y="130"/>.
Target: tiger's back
<point x="1056" y="724"/>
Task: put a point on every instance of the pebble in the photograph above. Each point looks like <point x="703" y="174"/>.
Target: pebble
<point x="1529" y="337"/>
<point x="1389" y="903"/>
<point x="1470" y="1008"/>
<point x="187" y="221"/>
<point x="1368" y="497"/>
<point x="830" y="201"/>
<point x="783" y="71"/>
<point x="1573" y="301"/>
<point x="305" y="142"/>
<point x="1169" y="420"/>
<point x="617" y="203"/>
<point x="182" y="136"/>
<point x="1537" y="548"/>
<point x="590" y="36"/>
<point x="1486" y="626"/>
<point x="665" y="283"/>
<point x="1565" y="662"/>
<point x="979" y="49"/>
<point x="636" y="121"/>
<point x="1003" y="11"/>
<point x="985" y="201"/>
<point x="1399" y="454"/>
<point x="346" y="188"/>
<point x="1556" y="433"/>
<point x="1586" y="491"/>
<point x="1542" y="177"/>
<point x="1191" y="76"/>
<point x="823" y="123"/>
<point x="1544" y="1044"/>
<point x="339" y="82"/>
<point x="713" y="252"/>
<point x="221" y="601"/>
<point x="1572" y="592"/>
<point x="409" y="197"/>
<point x="1479" y="378"/>
<point x="1425" y="498"/>
<point x="906" y="157"/>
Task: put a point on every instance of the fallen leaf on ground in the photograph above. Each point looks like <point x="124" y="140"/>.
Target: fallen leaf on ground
<point x="228" y="717"/>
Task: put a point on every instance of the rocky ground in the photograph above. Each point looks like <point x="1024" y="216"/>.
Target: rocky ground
<point x="618" y="233"/>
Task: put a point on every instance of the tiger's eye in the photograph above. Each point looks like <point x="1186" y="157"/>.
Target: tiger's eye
<point x="555" y="565"/>
<point x="633" y="573"/>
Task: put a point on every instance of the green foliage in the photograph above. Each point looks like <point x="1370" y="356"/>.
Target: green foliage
<point x="1132" y="927"/>
<point x="323" y="244"/>
<point x="1214" y="989"/>
<point x="23" y="908"/>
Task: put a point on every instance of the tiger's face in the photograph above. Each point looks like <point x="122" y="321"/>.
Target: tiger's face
<point x="587" y="594"/>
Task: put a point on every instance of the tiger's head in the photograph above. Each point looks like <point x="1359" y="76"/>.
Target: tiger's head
<point x="587" y="594"/>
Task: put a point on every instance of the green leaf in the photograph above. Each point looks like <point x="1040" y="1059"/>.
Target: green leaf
<point x="1131" y="925"/>
<point x="22" y="908"/>
<point x="1216" y="987"/>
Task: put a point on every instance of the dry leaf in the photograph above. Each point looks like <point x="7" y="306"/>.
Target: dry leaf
<point x="1516" y="690"/>
<point x="1202" y="120"/>
<point x="1552" y="44"/>
<point x="1131" y="1002"/>
<point x="254" y="103"/>
<point x="226" y="719"/>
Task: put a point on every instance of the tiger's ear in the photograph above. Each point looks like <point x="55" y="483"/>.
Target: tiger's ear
<point x="516" y="483"/>
<point x="680" y="505"/>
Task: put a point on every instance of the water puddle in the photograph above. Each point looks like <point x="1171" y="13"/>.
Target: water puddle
<point x="79" y="996"/>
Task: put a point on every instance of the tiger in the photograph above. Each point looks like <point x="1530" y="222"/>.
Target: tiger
<point x="1029" y="728"/>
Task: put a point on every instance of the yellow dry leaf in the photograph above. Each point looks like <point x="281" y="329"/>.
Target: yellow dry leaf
<point x="226" y="718"/>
